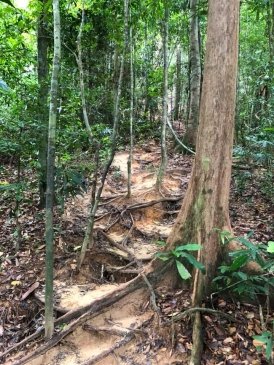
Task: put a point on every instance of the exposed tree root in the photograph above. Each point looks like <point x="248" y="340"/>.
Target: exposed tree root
<point x="215" y="312"/>
<point x="117" y="245"/>
<point x="80" y="315"/>
<point x="22" y="343"/>
<point x="152" y="202"/>
<point x="128" y="337"/>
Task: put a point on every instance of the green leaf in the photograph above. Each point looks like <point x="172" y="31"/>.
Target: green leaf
<point x="7" y="2"/>
<point x="247" y="244"/>
<point x="270" y="247"/>
<point x="189" y="247"/>
<point x="238" y="262"/>
<point x="242" y="275"/>
<point x="226" y="237"/>
<point x="161" y="243"/>
<point x="163" y="256"/>
<point x="191" y="259"/>
<point x="183" y="272"/>
<point x="267" y="339"/>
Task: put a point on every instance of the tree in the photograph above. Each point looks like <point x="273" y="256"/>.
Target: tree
<point x="206" y="203"/>
<point x="50" y="172"/>
<point x="42" y="71"/>
<point x="194" y="74"/>
<point x="163" y="163"/>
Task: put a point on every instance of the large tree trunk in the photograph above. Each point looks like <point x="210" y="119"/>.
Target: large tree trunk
<point x="194" y="74"/>
<point x="205" y="206"/>
<point x="50" y="172"/>
<point x="42" y="71"/>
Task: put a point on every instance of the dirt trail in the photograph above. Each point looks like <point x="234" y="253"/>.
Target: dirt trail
<point x="126" y="237"/>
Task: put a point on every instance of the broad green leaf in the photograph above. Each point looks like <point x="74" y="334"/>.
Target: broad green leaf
<point x="183" y="272"/>
<point x="270" y="247"/>
<point x="247" y="244"/>
<point x="189" y="247"/>
<point x="266" y="339"/>
<point x="191" y="259"/>
<point x="238" y="262"/>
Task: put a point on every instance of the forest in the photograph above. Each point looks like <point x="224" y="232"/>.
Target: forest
<point x="136" y="182"/>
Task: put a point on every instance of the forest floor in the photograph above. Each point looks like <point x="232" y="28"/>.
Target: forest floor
<point x="128" y="234"/>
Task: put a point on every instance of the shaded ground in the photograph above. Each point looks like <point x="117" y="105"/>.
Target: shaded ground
<point x="127" y="235"/>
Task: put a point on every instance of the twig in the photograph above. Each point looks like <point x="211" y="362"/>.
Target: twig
<point x="101" y="216"/>
<point x="112" y="224"/>
<point x="112" y="199"/>
<point x="152" y="294"/>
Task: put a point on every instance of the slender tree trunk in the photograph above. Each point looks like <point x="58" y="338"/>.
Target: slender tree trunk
<point x="130" y="157"/>
<point x="270" y="22"/>
<point x="178" y="85"/>
<point x="81" y="74"/>
<point x="42" y="71"/>
<point x="163" y="163"/>
<point x="195" y="75"/>
<point x="50" y="172"/>
<point x="205" y="206"/>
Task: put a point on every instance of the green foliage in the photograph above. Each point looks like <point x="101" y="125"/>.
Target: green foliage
<point x="7" y="2"/>
<point x="182" y="257"/>
<point x="233" y="277"/>
<point x="267" y="340"/>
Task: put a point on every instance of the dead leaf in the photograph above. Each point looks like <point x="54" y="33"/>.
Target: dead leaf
<point x="232" y="330"/>
<point x="30" y="290"/>
<point x="250" y="315"/>
<point x="227" y="340"/>
<point x="15" y="283"/>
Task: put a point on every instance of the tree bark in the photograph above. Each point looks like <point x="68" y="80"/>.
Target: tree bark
<point x="42" y="71"/>
<point x="194" y="74"/>
<point x="50" y="172"/>
<point x="163" y="163"/>
<point x="205" y="206"/>
<point x="178" y="85"/>
<point x="131" y="116"/>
